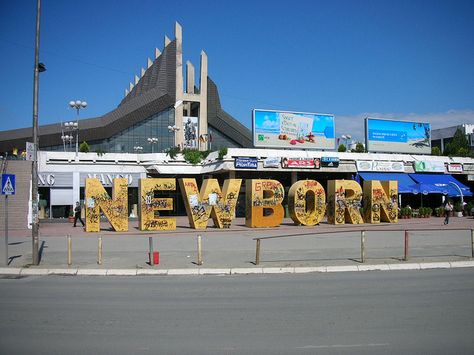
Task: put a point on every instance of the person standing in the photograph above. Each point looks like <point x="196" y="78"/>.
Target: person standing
<point x="77" y="214"/>
<point x="447" y="211"/>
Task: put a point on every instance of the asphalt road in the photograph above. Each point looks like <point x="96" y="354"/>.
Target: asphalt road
<point x="409" y="312"/>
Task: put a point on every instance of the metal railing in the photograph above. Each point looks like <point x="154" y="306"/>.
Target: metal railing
<point x="406" y="240"/>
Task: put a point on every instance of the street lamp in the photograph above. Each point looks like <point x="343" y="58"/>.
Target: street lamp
<point x="138" y="148"/>
<point x="173" y="129"/>
<point x="78" y="104"/>
<point x="346" y="138"/>
<point x="152" y="141"/>
<point x="67" y="134"/>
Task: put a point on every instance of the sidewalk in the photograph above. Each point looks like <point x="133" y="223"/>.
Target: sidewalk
<point x="322" y="248"/>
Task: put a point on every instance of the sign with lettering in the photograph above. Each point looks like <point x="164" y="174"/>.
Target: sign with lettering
<point x="302" y="163"/>
<point x="381" y="166"/>
<point x="455" y="168"/>
<point x="246" y="163"/>
<point x="330" y="162"/>
<point x="429" y="166"/>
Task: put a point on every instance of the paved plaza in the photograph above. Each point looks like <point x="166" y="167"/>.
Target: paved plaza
<point x="324" y="245"/>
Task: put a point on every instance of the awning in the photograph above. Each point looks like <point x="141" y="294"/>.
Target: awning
<point x="445" y="183"/>
<point x="405" y="182"/>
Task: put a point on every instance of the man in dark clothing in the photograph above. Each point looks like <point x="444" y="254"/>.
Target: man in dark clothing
<point x="77" y="214"/>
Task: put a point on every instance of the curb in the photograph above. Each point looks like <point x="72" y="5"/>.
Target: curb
<point x="233" y="271"/>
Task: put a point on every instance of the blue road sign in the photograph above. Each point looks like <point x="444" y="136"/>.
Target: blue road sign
<point x="8" y="184"/>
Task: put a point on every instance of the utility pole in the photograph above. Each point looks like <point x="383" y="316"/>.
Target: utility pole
<point x="34" y="169"/>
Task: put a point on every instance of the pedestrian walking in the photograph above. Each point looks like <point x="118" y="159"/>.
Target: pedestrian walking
<point x="447" y="211"/>
<point x="77" y="214"/>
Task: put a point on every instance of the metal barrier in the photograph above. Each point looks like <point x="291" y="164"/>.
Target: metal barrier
<point x="406" y="253"/>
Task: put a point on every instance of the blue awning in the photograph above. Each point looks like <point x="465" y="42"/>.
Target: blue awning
<point x="445" y="183"/>
<point x="405" y="183"/>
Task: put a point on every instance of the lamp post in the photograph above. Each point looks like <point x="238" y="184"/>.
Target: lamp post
<point x="346" y="138"/>
<point x="152" y="141"/>
<point x="67" y="134"/>
<point x="78" y="104"/>
<point x="38" y="68"/>
<point x="173" y="129"/>
<point x="138" y="149"/>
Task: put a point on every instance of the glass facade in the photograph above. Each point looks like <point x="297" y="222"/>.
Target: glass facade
<point x="137" y="135"/>
<point x="221" y="141"/>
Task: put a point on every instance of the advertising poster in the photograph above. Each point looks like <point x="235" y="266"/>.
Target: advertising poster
<point x="302" y="163"/>
<point x="190" y="132"/>
<point x="455" y="168"/>
<point x="330" y="162"/>
<point x="299" y="130"/>
<point x="397" y="136"/>
<point x="246" y="163"/>
<point x="271" y="162"/>
<point x="429" y="167"/>
<point x="380" y="166"/>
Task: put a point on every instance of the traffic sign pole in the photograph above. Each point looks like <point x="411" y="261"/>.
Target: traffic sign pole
<point x="6" y="230"/>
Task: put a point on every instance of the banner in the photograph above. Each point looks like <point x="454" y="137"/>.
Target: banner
<point x="246" y="163"/>
<point x="330" y="162"/>
<point x="297" y="130"/>
<point x="381" y="166"/>
<point x="271" y="162"/>
<point x="302" y="163"/>
<point x="397" y="136"/>
<point x="190" y="132"/>
<point x="429" y="166"/>
<point x="455" y="168"/>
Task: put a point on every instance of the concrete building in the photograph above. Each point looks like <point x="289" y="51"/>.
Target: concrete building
<point x="159" y="105"/>
<point x="442" y="136"/>
<point x="156" y="105"/>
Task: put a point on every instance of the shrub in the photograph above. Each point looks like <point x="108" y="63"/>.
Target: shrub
<point x="84" y="147"/>
<point x="222" y="153"/>
<point x="192" y="156"/>
<point x="173" y="152"/>
<point x="342" y="148"/>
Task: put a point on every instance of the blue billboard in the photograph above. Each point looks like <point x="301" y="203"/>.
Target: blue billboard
<point x="299" y="130"/>
<point x="397" y="136"/>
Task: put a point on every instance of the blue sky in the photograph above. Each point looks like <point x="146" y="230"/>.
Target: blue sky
<point x="390" y="59"/>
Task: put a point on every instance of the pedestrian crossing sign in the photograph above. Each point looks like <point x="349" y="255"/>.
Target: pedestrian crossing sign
<point x="8" y="184"/>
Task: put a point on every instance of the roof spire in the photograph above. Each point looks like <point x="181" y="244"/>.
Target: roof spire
<point x="167" y="40"/>
<point x="149" y="63"/>
<point x="136" y="80"/>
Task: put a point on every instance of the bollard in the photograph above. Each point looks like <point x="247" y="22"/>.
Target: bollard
<point x="199" y="245"/>
<point x="150" y="251"/>
<point x="472" y="243"/>
<point x="99" y="250"/>
<point x="69" y="250"/>
<point x="257" y="253"/>
<point x="407" y="253"/>
<point x="362" y="246"/>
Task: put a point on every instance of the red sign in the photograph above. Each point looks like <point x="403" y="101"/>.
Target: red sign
<point x="302" y="163"/>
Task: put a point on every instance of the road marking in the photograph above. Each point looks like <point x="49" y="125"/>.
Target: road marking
<point x="341" y="346"/>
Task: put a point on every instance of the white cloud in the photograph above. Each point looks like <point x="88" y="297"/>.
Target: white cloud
<point x="354" y="124"/>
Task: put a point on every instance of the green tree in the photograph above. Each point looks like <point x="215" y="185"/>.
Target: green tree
<point x="435" y="151"/>
<point x="84" y="147"/>
<point x="359" y="148"/>
<point x="342" y="148"/>
<point x="459" y="145"/>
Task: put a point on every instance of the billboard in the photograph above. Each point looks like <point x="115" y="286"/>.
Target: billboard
<point x="299" y="130"/>
<point x="397" y="136"/>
